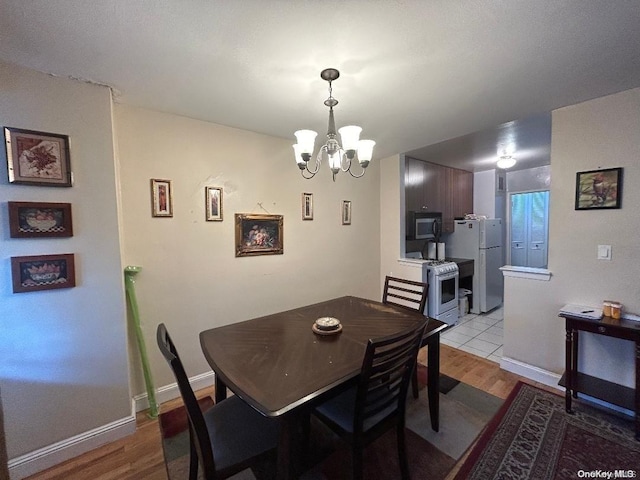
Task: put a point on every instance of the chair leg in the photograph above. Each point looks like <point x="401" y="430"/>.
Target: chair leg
<point x="414" y="381"/>
<point x="193" y="457"/>
<point x="402" y="454"/>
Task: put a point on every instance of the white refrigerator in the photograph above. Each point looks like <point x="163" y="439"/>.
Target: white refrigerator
<point x="481" y="241"/>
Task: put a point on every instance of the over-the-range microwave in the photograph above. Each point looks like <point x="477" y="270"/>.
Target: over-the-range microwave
<point x="424" y="225"/>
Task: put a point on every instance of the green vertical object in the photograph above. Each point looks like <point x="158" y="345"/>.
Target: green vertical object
<point x="129" y="282"/>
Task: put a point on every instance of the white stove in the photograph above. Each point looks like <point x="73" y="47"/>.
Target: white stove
<point x="441" y="266"/>
<point x="442" y="277"/>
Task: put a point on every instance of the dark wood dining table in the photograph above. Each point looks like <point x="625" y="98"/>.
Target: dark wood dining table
<point x="278" y="365"/>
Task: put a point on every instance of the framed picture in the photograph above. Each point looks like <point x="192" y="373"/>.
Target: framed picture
<point x="213" y="199"/>
<point x="39" y="219"/>
<point x="37" y="158"/>
<point x="346" y="212"/>
<point x="43" y="272"/>
<point x="597" y="189"/>
<point x="307" y="206"/>
<point x="258" y="234"/>
<point x="161" y="200"/>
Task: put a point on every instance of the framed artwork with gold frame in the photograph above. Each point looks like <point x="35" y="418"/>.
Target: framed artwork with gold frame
<point x="213" y="199"/>
<point x="258" y="234"/>
<point x="307" y="206"/>
<point x="161" y="198"/>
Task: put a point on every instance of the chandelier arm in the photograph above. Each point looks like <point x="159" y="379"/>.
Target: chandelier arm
<point x="309" y="176"/>
<point x="354" y="175"/>
<point x="343" y="156"/>
<point x="315" y="170"/>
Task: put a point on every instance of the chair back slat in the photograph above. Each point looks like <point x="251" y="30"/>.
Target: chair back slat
<point x="404" y="293"/>
<point x="386" y="372"/>
<point x="197" y="426"/>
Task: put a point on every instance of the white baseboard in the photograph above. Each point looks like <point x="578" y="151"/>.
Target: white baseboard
<point x="171" y="391"/>
<point x="38" y="460"/>
<point x="551" y="379"/>
<point x="531" y="372"/>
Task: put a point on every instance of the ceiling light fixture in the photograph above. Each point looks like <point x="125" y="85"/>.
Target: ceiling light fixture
<point x="505" y="152"/>
<point x="506" y="161"/>
<point x="339" y="157"/>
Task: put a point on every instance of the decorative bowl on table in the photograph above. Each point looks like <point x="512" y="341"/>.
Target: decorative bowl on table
<point x="326" y="326"/>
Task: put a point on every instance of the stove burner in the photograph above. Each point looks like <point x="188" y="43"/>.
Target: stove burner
<point x="436" y="262"/>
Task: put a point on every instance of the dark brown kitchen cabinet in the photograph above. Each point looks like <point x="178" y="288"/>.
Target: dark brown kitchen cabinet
<point x="435" y="188"/>
<point x="461" y="190"/>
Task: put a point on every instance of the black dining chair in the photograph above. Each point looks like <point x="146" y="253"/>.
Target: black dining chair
<point x="229" y="437"/>
<point x="407" y="294"/>
<point x="404" y="293"/>
<point x="378" y="401"/>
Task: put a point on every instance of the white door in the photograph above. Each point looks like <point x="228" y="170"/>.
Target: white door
<point x="529" y="230"/>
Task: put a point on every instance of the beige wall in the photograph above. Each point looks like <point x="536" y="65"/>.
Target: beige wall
<point x="64" y="368"/>
<point x="599" y="133"/>
<point x="191" y="279"/>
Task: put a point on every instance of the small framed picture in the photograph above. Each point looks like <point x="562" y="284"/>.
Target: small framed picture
<point x="213" y="199"/>
<point x="161" y="199"/>
<point x="307" y="206"/>
<point x="346" y="212"/>
<point x="258" y="234"/>
<point x="39" y="219"/>
<point x="598" y="189"/>
<point x="43" y="272"/>
<point x="37" y="158"/>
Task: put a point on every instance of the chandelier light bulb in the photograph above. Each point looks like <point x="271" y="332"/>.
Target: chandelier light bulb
<point x="306" y="141"/>
<point x="365" y="152"/>
<point x="350" y="137"/>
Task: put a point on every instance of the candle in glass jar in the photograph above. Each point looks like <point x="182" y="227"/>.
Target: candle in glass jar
<point x="606" y="308"/>
<point x="616" y="310"/>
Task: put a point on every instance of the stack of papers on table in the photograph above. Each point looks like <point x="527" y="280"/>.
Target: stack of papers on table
<point x="582" y="311"/>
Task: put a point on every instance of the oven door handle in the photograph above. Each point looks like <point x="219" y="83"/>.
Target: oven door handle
<point x="446" y="276"/>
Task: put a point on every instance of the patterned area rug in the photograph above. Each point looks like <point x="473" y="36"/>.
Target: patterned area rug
<point x="532" y="437"/>
<point x="464" y="412"/>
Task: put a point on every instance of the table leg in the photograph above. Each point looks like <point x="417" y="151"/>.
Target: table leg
<point x="287" y="426"/>
<point x="220" y="389"/>
<point x="433" y="380"/>
<point x="568" y="366"/>
<point x="575" y="341"/>
<point x="637" y="389"/>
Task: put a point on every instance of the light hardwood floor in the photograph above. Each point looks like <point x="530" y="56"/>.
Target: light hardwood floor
<point x="139" y="456"/>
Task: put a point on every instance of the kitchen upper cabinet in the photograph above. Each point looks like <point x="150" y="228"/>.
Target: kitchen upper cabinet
<point x="435" y="188"/>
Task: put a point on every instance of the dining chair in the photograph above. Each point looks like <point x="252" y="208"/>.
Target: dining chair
<point x="229" y="437"/>
<point x="404" y="293"/>
<point x="407" y="294"/>
<point x="378" y="401"/>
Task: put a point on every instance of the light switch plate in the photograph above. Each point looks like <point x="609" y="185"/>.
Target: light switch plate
<point x="604" y="252"/>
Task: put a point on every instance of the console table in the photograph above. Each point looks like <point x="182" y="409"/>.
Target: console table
<point x="576" y="382"/>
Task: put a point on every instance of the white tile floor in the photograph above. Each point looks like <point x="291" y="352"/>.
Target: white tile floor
<point x="481" y="334"/>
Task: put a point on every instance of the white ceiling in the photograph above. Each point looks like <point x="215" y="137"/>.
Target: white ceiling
<point x="413" y="72"/>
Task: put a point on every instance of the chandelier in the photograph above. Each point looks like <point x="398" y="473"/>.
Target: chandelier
<point x="338" y="157"/>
